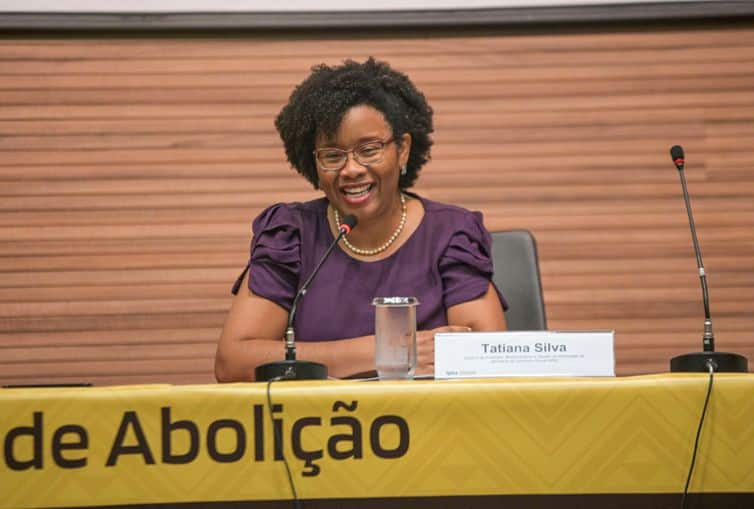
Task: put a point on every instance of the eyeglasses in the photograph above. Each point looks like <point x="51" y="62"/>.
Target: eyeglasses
<point x="334" y="159"/>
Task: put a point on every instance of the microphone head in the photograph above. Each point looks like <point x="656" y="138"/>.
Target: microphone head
<point x="348" y="223"/>
<point x="676" y="153"/>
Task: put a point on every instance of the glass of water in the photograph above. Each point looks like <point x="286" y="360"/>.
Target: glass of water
<point x="395" y="337"/>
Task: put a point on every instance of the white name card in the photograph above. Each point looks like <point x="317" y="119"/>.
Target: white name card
<point x="524" y="353"/>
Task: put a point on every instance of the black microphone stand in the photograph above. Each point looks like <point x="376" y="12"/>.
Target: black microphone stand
<point x="291" y="368"/>
<point x="720" y="362"/>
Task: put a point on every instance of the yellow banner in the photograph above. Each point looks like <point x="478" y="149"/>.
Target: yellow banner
<point x="157" y="444"/>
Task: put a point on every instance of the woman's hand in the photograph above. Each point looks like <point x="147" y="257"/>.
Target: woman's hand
<point x="425" y="347"/>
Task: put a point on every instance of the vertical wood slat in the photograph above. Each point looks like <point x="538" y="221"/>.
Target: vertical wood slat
<point x="131" y="168"/>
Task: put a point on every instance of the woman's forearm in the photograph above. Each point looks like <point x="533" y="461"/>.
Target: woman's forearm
<point x="236" y="360"/>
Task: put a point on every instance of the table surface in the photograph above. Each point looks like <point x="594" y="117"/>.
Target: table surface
<point x="376" y="441"/>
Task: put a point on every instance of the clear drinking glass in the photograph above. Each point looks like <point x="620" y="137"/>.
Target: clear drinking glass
<point x="395" y="337"/>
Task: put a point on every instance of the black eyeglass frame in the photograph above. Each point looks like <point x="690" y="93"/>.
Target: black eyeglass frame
<point x="353" y="151"/>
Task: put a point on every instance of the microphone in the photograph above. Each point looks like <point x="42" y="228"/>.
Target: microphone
<point x="290" y="368"/>
<point x="702" y="361"/>
<point x="676" y="152"/>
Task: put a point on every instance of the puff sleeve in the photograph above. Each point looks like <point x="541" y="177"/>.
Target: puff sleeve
<point x="466" y="264"/>
<point x="275" y="260"/>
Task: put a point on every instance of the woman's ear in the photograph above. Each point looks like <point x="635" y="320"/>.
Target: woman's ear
<point x="404" y="149"/>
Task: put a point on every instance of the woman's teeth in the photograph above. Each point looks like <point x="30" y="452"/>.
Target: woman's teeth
<point x="357" y="191"/>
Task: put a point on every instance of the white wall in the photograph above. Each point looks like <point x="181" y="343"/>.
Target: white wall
<point x="126" y="6"/>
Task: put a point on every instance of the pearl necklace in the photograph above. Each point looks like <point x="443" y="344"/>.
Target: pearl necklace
<point x="387" y="244"/>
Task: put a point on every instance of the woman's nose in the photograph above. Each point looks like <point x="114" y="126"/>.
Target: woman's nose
<point x="352" y="168"/>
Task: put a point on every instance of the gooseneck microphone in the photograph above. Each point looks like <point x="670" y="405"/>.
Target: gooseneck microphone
<point x="676" y="152"/>
<point x="708" y="358"/>
<point x="290" y="368"/>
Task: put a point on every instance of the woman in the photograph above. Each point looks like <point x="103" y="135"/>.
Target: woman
<point x="360" y="134"/>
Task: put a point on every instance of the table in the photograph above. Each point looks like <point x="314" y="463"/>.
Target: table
<point x="515" y="442"/>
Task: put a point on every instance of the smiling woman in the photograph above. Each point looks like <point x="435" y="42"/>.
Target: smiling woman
<point x="369" y="188"/>
<point x="360" y="134"/>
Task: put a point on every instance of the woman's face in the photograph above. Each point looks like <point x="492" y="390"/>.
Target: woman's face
<point x="366" y="191"/>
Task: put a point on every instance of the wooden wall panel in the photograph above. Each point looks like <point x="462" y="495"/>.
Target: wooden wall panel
<point x="130" y="169"/>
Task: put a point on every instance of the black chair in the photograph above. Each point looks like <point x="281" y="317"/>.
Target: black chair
<point x="514" y="255"/>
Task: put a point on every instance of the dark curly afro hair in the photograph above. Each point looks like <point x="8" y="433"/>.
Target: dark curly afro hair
<point x="319" y="103"/>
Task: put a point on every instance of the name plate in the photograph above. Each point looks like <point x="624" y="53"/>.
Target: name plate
<point x="524" y="353"/>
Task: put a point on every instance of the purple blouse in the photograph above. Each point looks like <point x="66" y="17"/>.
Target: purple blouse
<point x="445" y="261"/>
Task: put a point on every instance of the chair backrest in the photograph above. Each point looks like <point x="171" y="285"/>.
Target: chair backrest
<point x="514" y="255"/>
